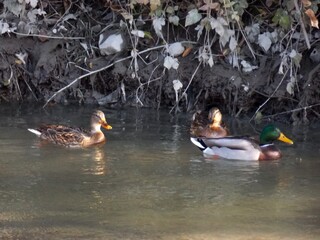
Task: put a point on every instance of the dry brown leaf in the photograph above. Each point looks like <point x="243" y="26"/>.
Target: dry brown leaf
<point x="214" y="6"/>
<point x="313" y="19"/>
<point x="154" y="4"/>
<point x="306" y="3"/>
<point x="125" y="14"/>
<point x="66" y="4"/>
<point x="186" y="52"/>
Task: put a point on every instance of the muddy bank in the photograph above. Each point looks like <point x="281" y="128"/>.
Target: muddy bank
<point x="49" y="68"/>
<point x="71" y="69"/>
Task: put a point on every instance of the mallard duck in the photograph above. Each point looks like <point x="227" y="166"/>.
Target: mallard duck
<point x="244" y="148"/>
<point x="73" y="136"/>
<point x="208" y="124"/>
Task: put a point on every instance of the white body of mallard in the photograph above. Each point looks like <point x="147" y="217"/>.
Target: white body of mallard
<point x="243" y="147"/>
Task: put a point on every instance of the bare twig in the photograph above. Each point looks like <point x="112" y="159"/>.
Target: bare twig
<point x="269" y="96"/>
<point x="11" y="73"/>
<point x="246" y="40"/>
<point x="25" y="81"/>
<point x="147" y="83"/>
<point x="83" y="69"/>
<point x="63" y="15"/>
<point x="83" y="76"/>
<point x="293" y="110"/>
<point x="187" y="87"/>
<point x="47" y="36"/>
<point x="306" y="38"/>
<point x="311" y="74"/>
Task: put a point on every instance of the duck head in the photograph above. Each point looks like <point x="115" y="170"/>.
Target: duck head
<point x="215" y="116"/>
<point x="271" y="133"/>
<point x="98" y="119"/>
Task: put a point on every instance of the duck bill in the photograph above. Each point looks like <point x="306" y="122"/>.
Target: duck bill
<point x="106" y="125"/>
<point x="283" y="138"/>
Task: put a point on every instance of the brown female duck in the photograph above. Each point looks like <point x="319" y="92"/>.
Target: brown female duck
<point x="208" y="124"/>
<point x="74" y="136"/>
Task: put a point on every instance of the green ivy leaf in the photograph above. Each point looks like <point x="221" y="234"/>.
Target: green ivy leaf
<point x="229" y="4"/>
<point x="282" y="18"/>
<point x="285" y="22"/>
<point x="240" y="6"/>
<point x="277" y="16"/>
<point x="148" y="35"/>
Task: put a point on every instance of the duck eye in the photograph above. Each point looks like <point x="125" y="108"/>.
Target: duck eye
<point x="97" y="116"/>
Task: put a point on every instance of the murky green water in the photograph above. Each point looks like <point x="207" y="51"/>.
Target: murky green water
<point x="149" y="182"/>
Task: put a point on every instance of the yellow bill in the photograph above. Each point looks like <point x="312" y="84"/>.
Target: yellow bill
<point x="283" y="138"/>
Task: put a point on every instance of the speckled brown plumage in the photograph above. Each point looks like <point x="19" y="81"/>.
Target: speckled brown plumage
<point x="63" y="135"/>
<point x="208" y="124"/>
<point x="74" y="136"/>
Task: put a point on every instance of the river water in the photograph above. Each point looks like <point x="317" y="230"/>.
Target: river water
<point x="149" y="182"/>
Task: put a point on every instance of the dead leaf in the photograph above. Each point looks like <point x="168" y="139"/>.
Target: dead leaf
<point x="193" y="17"/>
<point x="157" y="24"/>
<point x="17" y="61"/>
<point x="187" y="51"/>
<point x="144" y="2"/>
<point x="125" y="14"/>
<point x="22" y="58"/>
<point x="313" y="19"/>
<point x="66" y="4"/>
<point x="154" y="4"/>
<point x="210" y="5"/>
<point x="258" y="117"/>
<point x="33" y="3"/>
<point x="269" y="3"/>
<point x="170" y="62"/>
<point x="306" y="3"/>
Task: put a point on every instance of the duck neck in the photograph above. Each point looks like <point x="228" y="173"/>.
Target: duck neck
<point x="97" y="135"/>
<point x="215" y="125"/>
<point x="264" y="140"/>
<point x="95" y="128"/>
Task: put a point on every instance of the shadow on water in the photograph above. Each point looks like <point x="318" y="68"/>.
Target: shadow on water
<point x="149" y="182"/>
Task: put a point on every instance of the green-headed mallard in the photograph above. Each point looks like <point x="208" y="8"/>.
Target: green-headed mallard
<point x="73" y="136"/>
<point x="208" y="124"/>
<point x="244" y="148"/>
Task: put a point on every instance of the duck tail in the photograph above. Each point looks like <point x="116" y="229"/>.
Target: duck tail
<point x="36" y="132"/>
<point x="199" y="143"/>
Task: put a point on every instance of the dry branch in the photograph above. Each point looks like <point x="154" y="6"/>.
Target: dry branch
<point x="187" y="87"/>
<point x="306" y="38"/>
<point x="265" y="102"/>
<point x="49" y="37"/>
<point x="293" y="110"/>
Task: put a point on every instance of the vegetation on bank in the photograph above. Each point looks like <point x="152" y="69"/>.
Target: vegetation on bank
<point x="257" y="57"/>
